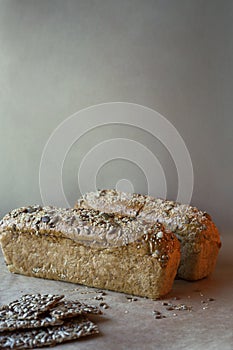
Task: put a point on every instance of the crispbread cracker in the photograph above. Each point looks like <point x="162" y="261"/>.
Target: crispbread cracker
<point x="67" y="309"/>
<point x="49" y="336"/>
<point x="29" y="306"/>
<point x="7" y="324"/>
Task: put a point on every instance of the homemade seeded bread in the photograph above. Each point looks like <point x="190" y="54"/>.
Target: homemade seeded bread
<point x="91" y="248"/>
<point x="199" y="237"/>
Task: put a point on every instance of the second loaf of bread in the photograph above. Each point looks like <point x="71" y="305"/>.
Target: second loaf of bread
<point x="198" y="235"/>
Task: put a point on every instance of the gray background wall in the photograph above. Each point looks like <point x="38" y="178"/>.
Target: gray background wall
<point x="57" y="57"/>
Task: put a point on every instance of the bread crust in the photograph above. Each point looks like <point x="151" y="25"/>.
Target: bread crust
<point x="198" y="235"/>
<point x="91" y="248"/>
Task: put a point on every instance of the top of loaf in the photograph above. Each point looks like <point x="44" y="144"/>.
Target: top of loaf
<point x="182" y="219"/>
<point x="90" y="227"/>
<point x="113" y="201"/>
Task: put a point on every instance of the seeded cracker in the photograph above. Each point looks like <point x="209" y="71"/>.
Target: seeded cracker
<point x="67" y="309"/>
<point x="29" y="306"/>
<point x="49" y="336"/>
<point x="14" y="324"/>
<point x="54" y="316"/>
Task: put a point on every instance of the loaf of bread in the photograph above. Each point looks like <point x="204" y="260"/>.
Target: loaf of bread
<point x="91" y="248"/>
<point x="199" y="237"/>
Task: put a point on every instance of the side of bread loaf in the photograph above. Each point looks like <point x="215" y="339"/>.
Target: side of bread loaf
<point x="198" y="235"/>
<point x="90" y="248"/>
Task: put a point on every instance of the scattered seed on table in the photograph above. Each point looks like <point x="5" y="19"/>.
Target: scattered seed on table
<point x="169" y="308"/>
<point x="104" y="305"/>
<point x="97" y="297"/>
<point x="155" y="312"/>
<point x="130" y="299"/>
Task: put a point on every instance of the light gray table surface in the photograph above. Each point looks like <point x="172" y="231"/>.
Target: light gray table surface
<point x="131" y="325"/>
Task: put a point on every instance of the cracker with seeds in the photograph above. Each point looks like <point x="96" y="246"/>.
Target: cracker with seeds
<point x="29" y="306"/>
<point x="49" y="336"/>
<point x="67" y="309"/>
<point x="11" y="325"/>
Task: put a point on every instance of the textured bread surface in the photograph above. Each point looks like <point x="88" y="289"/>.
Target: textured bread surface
<point x="91" y="248"/>
<point x="198" y="235"/>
